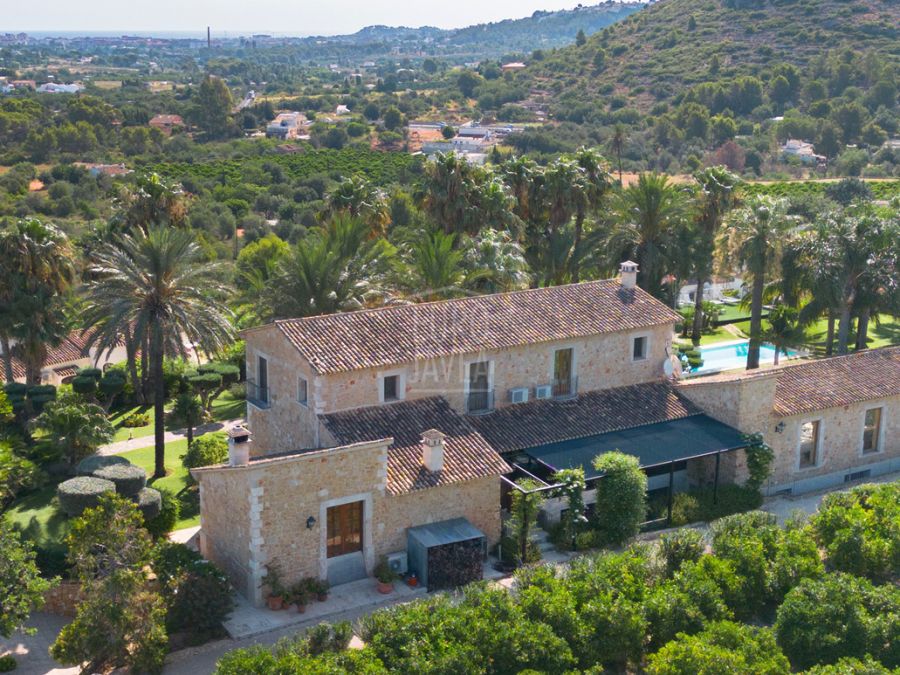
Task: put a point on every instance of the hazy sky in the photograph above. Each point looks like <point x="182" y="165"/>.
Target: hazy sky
<point x="261" y="16"/>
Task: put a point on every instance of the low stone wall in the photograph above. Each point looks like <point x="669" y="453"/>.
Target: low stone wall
<point x="63" y="599"/>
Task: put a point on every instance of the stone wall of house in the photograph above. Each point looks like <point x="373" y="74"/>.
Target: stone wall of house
<point x="225" y="524"/>
<point x="600" y="362"/>
<point x="63" y="599"/>
<point x="476" y="500"/>
<point x="258" y="516"/>
<point x="286" y="424"/>
<point x="840" y="448"/>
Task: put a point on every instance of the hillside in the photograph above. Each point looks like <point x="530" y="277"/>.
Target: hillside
<point x="540" y="30"/>
<point x="671" y="45"/>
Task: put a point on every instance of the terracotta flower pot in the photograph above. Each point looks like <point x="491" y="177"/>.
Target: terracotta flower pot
<point x="274" y="602"/>
<point x="384" y="587"/>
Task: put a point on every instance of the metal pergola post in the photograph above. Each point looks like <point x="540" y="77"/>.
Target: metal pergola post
<point x="671" y="491"/>
<point x="716" y="482"/>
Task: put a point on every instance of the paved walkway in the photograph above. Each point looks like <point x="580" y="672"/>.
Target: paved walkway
<point x="147" y="441"/>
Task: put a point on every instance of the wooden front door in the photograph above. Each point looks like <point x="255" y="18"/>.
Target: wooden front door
<point x="345" y="529"/>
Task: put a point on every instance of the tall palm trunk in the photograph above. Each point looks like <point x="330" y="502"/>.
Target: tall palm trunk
<point x="846" y="318"/>
<point x="131" y="358"/>
<point x="756" y="303"/>
<point x="697" y="328"/>
<point x="7" y="358"/>
<point x="576" y="264"/>
<point x="145" y="366"/>
<point x="159" y="401"/>
<point x="862" y="329"/>
<point x="829" y="344"/>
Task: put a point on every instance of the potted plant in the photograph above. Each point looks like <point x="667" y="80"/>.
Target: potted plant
<point x="277" y="591"/>
<point x="385" y="576"/>
<point x="320" y="588"/>
<point x="412" y="580"/>
<point x="300" y="595"/>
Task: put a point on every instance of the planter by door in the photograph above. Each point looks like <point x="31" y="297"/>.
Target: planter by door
<point x="384" y="588"/>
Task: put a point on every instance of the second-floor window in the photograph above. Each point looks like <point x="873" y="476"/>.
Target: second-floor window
<point x="872" y="430"/>
<point x="262" y="379"/>
<point x="639" y="348"/>
<point x="302" y="390"/>
<point x="391" y="387"/>
<point x="809" y="443"/>
<point x="563" y="382"/>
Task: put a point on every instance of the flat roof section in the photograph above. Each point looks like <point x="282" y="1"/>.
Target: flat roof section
<point x="653" y="444"/>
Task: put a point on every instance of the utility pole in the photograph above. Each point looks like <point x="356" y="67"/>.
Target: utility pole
<point x="208" y="39"/>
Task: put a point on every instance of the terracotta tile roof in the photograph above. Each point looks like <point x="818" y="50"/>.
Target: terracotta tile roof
<point x="838" y="381"/>
<point x="72" y="348"/>
<point x="527" y="425"/>
<point x="406" y="333"/>
<point x="466" y="454"/>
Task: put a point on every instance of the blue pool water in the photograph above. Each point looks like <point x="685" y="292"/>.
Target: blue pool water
<point x="734" y="355"/>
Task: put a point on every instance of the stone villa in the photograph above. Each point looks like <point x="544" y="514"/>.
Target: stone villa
<point x="372" y="427"/>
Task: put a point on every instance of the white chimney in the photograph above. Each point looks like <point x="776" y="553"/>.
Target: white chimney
<point x="433" y="450"/>
<point x="238" y="446"/>
<point x="628" y="274"/>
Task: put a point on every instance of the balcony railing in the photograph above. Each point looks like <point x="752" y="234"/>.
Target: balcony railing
<point x="565" y="388"/>
<point x="257" y="396"/>
<point x="480" y="401"/>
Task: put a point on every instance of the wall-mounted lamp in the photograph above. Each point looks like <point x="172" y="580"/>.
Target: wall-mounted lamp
<point x="310" y="523"/>
<point x="779" y="427"/>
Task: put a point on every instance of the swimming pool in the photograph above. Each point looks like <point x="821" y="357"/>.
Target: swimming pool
<point x="734" y="355"/>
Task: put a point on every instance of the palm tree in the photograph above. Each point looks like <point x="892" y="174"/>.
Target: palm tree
<point x="518" y="175"/>
<point x="77" y="427"/>
<point x="648" y="214"/>
<point x="617" y="145"/>
<point x="594" y="185"/>
<point x="152" y="201"/>
<point x="716" y="197"/>
<point x="432" y="267"/>
<point x="501" y="259"/>
<point x="157" y="284"/>
<point x="189" y="409"/>
<point x="753" y="238"/>
<point x="784" y="331"/>
<point x="37" y="270"/>
<point x="336" y="267"/>
<point x="358" y="198"/>
<point x="447" y="193"/>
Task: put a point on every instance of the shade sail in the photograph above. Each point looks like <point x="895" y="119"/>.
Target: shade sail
<point x="653" y="444"/>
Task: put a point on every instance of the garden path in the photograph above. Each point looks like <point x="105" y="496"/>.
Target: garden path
<point x="147" y="441"/>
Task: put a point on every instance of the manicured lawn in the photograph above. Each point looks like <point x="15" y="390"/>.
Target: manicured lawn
<point x="225" y="407"/>
<point x="42" y="522"/>
<point x="732" y="312"/>
<point x="720" y="334"/>
<point x="883" y="335"/>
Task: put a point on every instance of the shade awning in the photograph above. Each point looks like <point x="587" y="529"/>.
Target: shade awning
<point x="653" y="444"/>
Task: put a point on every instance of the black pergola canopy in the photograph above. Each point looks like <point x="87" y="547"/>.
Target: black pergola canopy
<point x="654" y="445"/>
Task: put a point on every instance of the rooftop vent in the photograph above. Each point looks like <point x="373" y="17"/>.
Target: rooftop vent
<point x="628" y="274"/>
<point x="433" y="450"/>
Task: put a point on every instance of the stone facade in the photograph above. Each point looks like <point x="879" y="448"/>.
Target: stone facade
<point x="747" y="402"/>
<point x="599" y="362"/>
<point x="260" y="514"/>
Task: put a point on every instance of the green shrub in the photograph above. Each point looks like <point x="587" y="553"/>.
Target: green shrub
<point x="128" y="478"/>
<point x="94" y="373"/>
<point x="136" y="419"/>
<point x="722" y="647"/>
<point x="206" y="450"/>
<point x="822" y="620"/>
<point x="83" y="384"/>
<point x="89" y="465"/>
<point x="852" y="666"/>
<point x="77" y="494"/>
<point x="680" y="547"/>
<point x="197" y="594"/>
<point x="7" y="663"/>
<point x="164" y="522"/>
<point x="860" y="530"/>
<point x="705" y="504"/>
<point x="149" y="501"/>
<point x="621" y="497"/>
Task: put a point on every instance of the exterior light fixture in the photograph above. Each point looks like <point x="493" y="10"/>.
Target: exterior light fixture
<point x="310" y="523"/>
<point x="779" y="427"/>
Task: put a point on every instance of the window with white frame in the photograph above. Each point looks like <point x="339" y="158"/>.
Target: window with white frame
<point x="810" y="433"/>
<point x="391" y="386"/>
<point x="302" y="390"/>
<point x="639" y="348"/>
<point x="872" y="430"/>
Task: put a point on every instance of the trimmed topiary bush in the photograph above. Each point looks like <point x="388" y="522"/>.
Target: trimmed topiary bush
<point x="84" y="384"/>
<point x="77" y="494"/>
<point x="95" y="373"/>
<point x="149" y="501"/>
<point x="164" y="522"/>
<point x="7" y="663"/>
<point x="89" y="465"/>
<point x="128" y="478"/>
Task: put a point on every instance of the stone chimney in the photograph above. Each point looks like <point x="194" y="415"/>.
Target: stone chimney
<point x="628" y="274"/>
<point x="238" y="446"/>
<point x="433" y="450"/>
